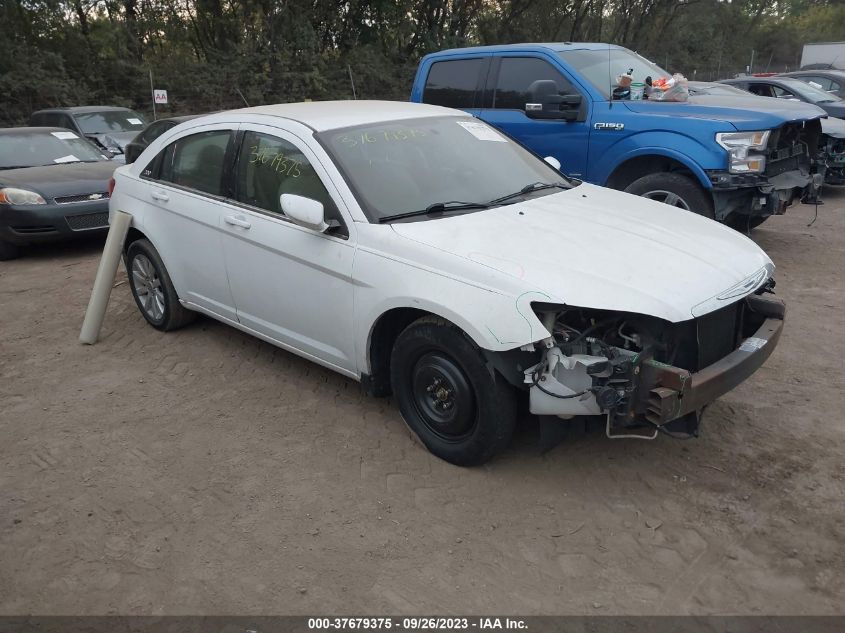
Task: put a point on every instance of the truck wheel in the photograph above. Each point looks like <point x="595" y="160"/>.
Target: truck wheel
<point x="153" y="290"/>
<point x="673" y="189"/>
<point x="460" y="409"/>
<point x="8" y="251"/>
<point x="744" y="223"/>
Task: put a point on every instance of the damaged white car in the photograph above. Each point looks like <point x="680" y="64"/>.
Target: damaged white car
<point x="420" y="251"/>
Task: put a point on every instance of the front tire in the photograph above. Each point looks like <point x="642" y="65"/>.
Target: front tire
<point x="463" y="412"/>
<point x="153" y="289"/>
<point x="675" y="190"/>
<point x="8" y="251"/>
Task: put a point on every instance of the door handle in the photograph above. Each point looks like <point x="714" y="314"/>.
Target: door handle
<point x="236" y="221"/>
<point x="158" y="195"/>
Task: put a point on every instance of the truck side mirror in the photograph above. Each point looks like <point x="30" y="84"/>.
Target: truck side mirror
<point x="547" y="103"/>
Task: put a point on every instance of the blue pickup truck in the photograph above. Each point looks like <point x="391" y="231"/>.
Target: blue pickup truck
<point x="731" y="164"/>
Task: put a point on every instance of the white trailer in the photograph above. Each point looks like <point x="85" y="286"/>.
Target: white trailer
<point x="831" y="54"/>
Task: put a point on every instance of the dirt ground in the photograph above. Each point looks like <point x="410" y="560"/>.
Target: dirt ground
<point x="206" y="472"/>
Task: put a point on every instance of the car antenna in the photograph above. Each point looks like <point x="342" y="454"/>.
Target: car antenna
<point x="241" y="95"/>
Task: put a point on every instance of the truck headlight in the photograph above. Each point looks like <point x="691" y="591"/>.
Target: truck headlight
<point x="743" y="150"/>
<point x="12" y="195"/>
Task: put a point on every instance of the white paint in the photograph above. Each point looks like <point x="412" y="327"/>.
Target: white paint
<point x="320" y="295"/>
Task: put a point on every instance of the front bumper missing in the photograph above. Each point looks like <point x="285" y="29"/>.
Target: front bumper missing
<point x="667" y="393"/>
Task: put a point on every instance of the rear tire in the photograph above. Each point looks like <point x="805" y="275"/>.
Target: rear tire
<point x="8" y="251"/>
<point x="675" y="190"/>
<point x="463" y="412"/>
<point x="153" y="289"/>
<point x="745" y="223"/>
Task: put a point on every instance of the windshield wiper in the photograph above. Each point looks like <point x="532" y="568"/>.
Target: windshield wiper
<point x="534" y="186"/>
<point x="436" y="208"/>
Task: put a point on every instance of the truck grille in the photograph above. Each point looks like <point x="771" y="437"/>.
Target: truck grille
<point x="83" y="197"/>
<point x="88" y="221"/>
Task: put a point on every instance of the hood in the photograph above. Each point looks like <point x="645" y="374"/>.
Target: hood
<point x="783" y="107"/>
<point x="743" y="113"/>
<point x="833" y="127"/>
<point x="599" y="248"/>
<point x="114" y="139"/>
<point x="69" y="179"/>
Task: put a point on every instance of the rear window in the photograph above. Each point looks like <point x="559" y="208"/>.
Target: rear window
<point x="454" y="84"/>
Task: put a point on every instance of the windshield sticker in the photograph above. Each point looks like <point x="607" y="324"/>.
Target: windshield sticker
<point x="70" y="158"/>
<point x="278" y="162"/>
<point x="381" y="136"/>
<point x="815" y="85"/>
<point x="482" y="132"/>
<point x="752" y="344"/>
<point x="64" y="136"/>
<point x="135" y="121"/>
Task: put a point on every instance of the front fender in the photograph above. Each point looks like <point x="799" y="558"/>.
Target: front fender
<point x="493" y="319"/>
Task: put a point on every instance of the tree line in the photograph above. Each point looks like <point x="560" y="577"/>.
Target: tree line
<point x="218" y="54"/>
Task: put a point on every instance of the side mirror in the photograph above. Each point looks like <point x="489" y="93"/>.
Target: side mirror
<point x="555" y="106"/>
<point x="304" y="211"/>
<point x="554" y="162"/>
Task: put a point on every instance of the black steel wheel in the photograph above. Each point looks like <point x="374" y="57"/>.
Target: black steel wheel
<point x="461" y="411"/>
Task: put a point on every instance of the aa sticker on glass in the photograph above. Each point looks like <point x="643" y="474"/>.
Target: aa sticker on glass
<point x="482" y="132"/>
<point x="135" y="121"/>
<point x="64" y="136"/>
<point x="752" y="344"/>
<point x="70" y="158"/>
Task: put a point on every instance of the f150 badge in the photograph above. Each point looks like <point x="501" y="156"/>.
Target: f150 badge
<point x="616" y="127"/>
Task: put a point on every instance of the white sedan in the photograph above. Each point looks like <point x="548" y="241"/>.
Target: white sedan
<point x="420" y="251"/>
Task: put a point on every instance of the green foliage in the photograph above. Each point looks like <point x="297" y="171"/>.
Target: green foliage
<point x="217" y="54"/>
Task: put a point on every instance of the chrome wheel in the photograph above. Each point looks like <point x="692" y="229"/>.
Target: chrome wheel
<point x="147" y="286"/>
<point x="667" y="197"/>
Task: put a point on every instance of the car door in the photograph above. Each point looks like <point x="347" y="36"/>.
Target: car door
<point x="514" y="79"/>
<point x="290" y="283"/>
<point x="187" y="185"/>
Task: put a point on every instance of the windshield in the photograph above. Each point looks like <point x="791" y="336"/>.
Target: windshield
<point x="601" y="67"/>
<point x="110" y="121"/>
<point x="405" y="166"/>
<point x="34" y="149"/>
<point x="808" y="92"/>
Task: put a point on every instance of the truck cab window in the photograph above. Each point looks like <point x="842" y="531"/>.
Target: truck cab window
<point x="454" y="84"/>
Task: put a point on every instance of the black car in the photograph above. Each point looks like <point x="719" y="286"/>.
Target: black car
<point x="54" y="185"/>
<point x="155" y="129"/>
<point x="829" y="80"/>
<point x="108" y="127"/>
<point x="791" y="89"/>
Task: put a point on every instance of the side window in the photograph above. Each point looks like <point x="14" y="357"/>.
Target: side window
<point x="65" y="120"/>
<point x="197" y="161"/>
<point x="519" y="82"/>
<point x="762" y="90"/>
<point x="781" y="93"/>
<point x="269" y="167"/>
<point x="820" y="82"/>
<point x="835" y="86"/>
<point x="454" y="84"/>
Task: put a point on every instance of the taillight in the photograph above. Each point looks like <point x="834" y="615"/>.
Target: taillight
<point x="111" y="186"/>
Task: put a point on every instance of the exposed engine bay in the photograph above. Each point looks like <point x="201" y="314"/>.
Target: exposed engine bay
<point x="642" y="372"/>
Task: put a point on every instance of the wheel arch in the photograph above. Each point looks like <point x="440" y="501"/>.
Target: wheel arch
<point x="637" y="164"/>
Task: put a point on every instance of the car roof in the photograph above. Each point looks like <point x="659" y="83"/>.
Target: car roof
<point x="821" y="71"/>
<point x="332" y="115"/>
<point x="31" y="130"/>
<point x="84" y="109"/>
<point x="554" y="47"/>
